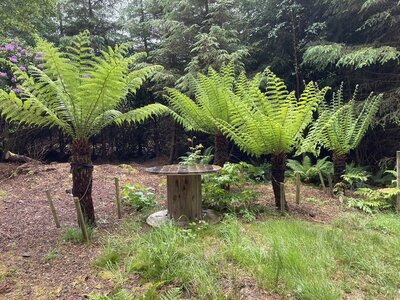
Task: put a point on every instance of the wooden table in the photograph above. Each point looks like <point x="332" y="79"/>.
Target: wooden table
<point x="183" y="192"/>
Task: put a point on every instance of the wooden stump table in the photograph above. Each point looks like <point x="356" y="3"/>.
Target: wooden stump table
<point x="183" y="194"/>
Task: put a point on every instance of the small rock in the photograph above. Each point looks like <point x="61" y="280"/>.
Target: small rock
<point x="312" y="215"/>
<point x="26" y="254"/>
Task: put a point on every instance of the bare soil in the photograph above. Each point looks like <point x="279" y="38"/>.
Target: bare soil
<point x="29" y="238"/>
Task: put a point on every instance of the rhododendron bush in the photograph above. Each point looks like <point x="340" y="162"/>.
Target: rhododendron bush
<point x="15" y="53"/>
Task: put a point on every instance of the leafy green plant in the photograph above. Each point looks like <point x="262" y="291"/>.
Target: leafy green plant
<point x="340" y="127"/>
<point x="310" y="172"/>
<point x="212" y="93"/>
<point x="374" y="200"/>
<point x="195" y="156"/>
<point x="138" y="196"/>
<point x="259" y="173"/>
<point x="385" y="178"/>
<point x="355" y="176"/>
<point x="270" y="122"/>
<point x="80" y="94"/>
<point x="393" y="174"/>
<point x="231" y="190"/>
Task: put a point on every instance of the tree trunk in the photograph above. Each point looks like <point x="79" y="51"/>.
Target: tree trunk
<point x="82" y="176"/>
<point x="6" y="137"/>
<point x="60" y="19"/>
<point x="156" y="138"/>
<point x="278" y="165"/>
<point x="221" y="154"/>
<point x="172" y="153"/>
<point x="339" y="167"/>
<point x="295" y="56"/>
<point x="9" y="156"/>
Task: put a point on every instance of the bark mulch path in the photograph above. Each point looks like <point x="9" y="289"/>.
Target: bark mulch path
<point x="34" y="261"/>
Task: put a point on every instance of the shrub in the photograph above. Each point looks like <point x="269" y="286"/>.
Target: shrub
<point x="138" y="196"/>
<point x="373" y="200"/>
<point x="195" y="155"/>
<point x="231" y="190"/>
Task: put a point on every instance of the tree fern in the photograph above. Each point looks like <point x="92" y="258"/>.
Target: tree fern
<point x="270" y="121"/>
<point x="213" y="95"/>
<point x="79" y="93"/>
<point x="341" y="127"/>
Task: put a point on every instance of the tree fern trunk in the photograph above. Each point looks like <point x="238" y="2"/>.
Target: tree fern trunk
<point x="82" y="176"/>
<point x="221" y="155"/>
<point x="278" y="165"/>
<point x="339" y="166"/>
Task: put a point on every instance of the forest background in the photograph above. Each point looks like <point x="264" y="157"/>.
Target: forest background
<point x="328" y="41"/>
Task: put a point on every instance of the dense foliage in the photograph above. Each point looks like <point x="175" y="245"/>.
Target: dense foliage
<point x="80" y="94"/>
<point x="352" y="41"/>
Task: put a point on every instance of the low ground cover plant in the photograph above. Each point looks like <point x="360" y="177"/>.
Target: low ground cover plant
<point x="138" y="196"/>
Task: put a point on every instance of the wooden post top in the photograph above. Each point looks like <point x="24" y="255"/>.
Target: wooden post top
<point x="184" y="169"/>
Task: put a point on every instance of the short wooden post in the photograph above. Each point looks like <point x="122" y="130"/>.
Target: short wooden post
<point x="330" y="182"/>
<point x="297" y="188"/>
<point x="398" y="181"/>
<point x="81" y="220"/>
<point x="53" y="209"/>
<point x="282" y="190"/>
<point x="321" y="178"/>
<point x="117" y="198"/>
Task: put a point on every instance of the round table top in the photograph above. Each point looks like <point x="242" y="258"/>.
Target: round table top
<point x="184" y="169"/>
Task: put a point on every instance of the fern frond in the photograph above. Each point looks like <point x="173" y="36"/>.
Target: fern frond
<point x="76" y="91"/>
<point x="339" y="127"/>
<point x="141" y="114"/>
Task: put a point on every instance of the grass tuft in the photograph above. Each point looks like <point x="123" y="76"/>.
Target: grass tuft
<point x="288" y="257"/>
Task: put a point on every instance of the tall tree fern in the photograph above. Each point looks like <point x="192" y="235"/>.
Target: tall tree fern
<point x="340" y="127"/>
<point x="212" y="100"/>
<point x="270" y="121"/>
<point x="79" y="93"/>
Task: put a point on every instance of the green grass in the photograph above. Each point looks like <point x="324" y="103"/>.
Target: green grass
<point x="356" y="255"/>
<point x="51" y="255"/>
<point x="74" y="235"/>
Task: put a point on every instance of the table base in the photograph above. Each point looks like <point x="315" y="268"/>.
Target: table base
<point x="161" y="217"/>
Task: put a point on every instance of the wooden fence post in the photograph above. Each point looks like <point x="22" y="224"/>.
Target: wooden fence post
<point x="398" y="181"/>
<point x="53" y="209"/>
<point x="117" y="197"/>
<point x="282" y="190"/>
<point x="81" y="220"/>
<point x="321" y="178"/>
<point x="297" y="188"/>
<point x="330" y="182"/>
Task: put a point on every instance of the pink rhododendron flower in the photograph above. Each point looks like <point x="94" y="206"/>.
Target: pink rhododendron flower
<point x="10" y="47"/>
<point x="39" y="55"/>
<point x="13" y="59"/>
<point x="3" y="75"/>
<point x="22" y="68"/>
